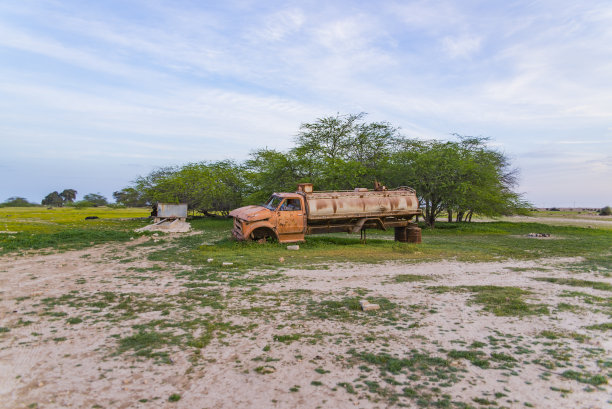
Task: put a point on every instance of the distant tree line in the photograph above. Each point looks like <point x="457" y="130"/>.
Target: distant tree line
<point x="68" y="196"/>
<point x="461" y="176"/>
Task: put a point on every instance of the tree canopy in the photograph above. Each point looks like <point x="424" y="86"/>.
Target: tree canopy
<point x="17" y="201"/>
<point x="461" y="176"/>
<point x="68" y="195"/>
<point x="96" y="199"/>
<point x="205" y="187"/>
<point x="53" y="199"/>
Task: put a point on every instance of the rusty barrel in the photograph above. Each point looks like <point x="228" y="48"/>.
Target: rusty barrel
<point x="409" y="234"/>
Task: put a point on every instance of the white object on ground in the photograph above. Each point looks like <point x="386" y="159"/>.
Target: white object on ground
<point x="176" y="226"/>
<point x="366" y="306"/>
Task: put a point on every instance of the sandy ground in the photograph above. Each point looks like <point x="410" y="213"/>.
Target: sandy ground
<point x="46" y="362"/>
<point x="579" y="220"/>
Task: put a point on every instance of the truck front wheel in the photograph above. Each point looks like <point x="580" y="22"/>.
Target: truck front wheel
<point x="263" y="234"/>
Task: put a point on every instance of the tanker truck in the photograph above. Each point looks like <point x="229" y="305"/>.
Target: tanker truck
<point x="288" y="217"/>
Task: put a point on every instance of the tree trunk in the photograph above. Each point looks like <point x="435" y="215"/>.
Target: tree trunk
<point x="430" y="214"/>
<point x="470" y="216"/>
<point x="459" y="216"/>
<point x="450" y="215"/>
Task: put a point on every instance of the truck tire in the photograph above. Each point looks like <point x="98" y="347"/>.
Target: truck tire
<point x="263" y="234"/>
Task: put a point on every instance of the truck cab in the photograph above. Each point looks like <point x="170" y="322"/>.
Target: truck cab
<point x="282" y="217"/>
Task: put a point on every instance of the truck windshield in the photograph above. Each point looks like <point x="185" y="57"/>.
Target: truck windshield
<point x="273" y="202"/>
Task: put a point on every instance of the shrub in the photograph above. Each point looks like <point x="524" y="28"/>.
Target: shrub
<point x="606" y="211"/>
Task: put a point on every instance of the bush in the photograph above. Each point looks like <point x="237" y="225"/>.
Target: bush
<point x="606" y="211"/>
<point x="17" y="202"/>
<point x="83" y="203"/>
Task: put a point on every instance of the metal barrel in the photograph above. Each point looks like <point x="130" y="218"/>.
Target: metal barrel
<point x="410" y="234"/>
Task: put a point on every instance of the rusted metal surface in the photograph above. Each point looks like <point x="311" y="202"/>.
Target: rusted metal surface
<point x="172" y="211"/>
<point x="409" y="234"/>
<point x="289" y="216"/>
<point x="324" y="205"/>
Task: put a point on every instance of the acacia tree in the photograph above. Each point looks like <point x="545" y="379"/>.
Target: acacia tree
<point x="17" y="201"/>
<point x="96" y="199"/>
<point x="129" y="197"/>
<point x="68" y="195"/>
<point x="465" y="177"/>
<point x="53" y="199"/>
<point x="341" y="151"/>
<point x="204" y="187"/>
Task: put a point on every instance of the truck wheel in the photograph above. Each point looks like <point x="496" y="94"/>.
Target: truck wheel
<point x="263" y="235"/>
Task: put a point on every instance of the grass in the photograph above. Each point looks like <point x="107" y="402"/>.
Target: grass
<point x="587" y="378"/>
<point x="596" y="285"/>
<point x="65" y="228"/>
<point x="36" y="228"/>
<point x="499" y="300"/>
<point x="606" y="326"/>
<point x="411" y="278"/>
<point x="492" y="241"/>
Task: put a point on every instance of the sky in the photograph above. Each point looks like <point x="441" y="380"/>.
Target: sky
<point x="94" y="94"/>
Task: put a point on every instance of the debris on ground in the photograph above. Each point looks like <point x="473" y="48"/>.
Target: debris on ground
<point x="174" y="226"/>
<point x="227" y="263"/>
<point x="538" y="235"/>
<point x="294" y="247"/>
<point x="367" y="306"/>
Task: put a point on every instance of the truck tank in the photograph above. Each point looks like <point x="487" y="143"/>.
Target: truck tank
<point x="359" y="203"/>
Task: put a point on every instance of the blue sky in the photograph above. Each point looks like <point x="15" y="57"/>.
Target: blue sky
<point x="93" y="94"/>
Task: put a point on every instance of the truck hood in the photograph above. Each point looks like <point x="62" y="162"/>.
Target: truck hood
<point x="251" y="213"/>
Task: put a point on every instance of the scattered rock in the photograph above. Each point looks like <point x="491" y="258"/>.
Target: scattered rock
<point x="366" y="306"/>
<point x="210" y="260"/>
<point x="227" y="263"/>
<point x="281" y="259"/>
<point x="293" y="247"/>
<point x="538" y="235"/>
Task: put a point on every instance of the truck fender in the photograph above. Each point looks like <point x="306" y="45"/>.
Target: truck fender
<point x="265" y="228"/>
<point x="359" y="225"/>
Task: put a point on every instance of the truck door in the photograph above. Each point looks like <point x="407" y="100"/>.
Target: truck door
<point x="291" y="216"/>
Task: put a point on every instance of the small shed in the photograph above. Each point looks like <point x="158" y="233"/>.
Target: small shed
<point x="171" y="211"/>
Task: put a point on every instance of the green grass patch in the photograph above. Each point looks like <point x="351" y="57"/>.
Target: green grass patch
<point x="606" y="326"/>
<point x="587" y="378"/>
<point x="475" y="357"/>
<point x="410" y="278"/>
<point x="66" y="228"/>
<point x="499" y="300"/>
<point x="462" y="241"/>
<point x="596" y="285"/>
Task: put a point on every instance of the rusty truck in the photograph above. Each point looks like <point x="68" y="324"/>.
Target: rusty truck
<point x="288" y="217"/>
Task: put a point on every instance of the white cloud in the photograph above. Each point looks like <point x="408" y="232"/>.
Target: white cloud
<point x="281" y="24"/>
<point x="462" y="46"/>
